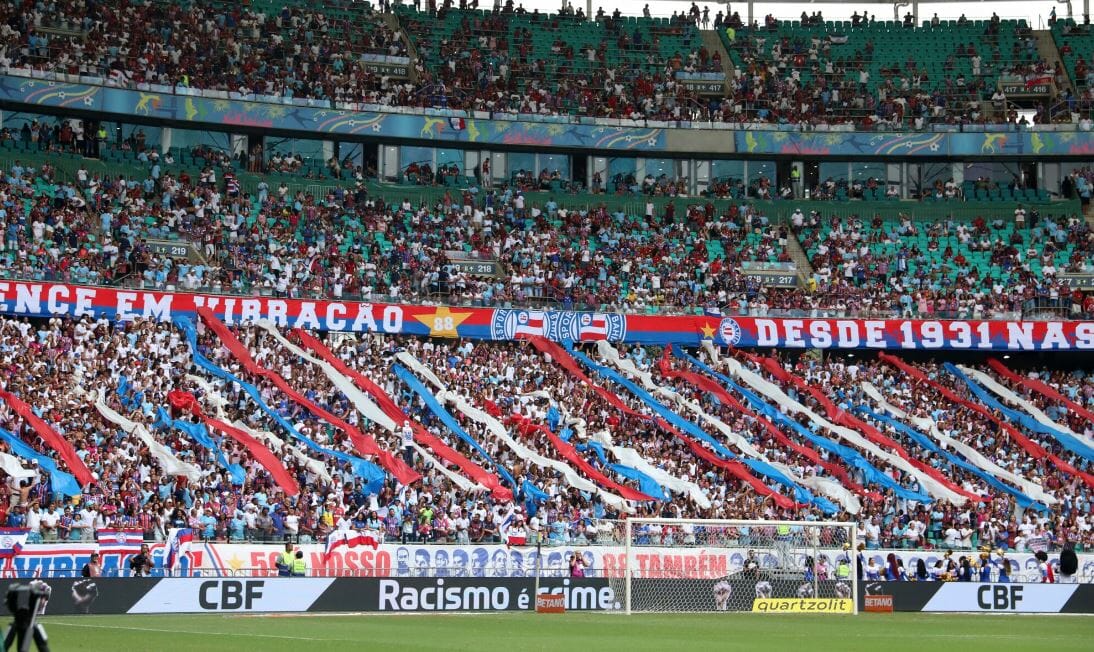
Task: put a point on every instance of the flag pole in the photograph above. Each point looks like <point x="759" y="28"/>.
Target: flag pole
<point x="539" y="568"/>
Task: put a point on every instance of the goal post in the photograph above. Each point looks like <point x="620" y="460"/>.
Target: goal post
<point x="704" y="565"/>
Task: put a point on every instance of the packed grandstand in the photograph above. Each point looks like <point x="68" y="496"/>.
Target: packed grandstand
<point x="247" y="430"/>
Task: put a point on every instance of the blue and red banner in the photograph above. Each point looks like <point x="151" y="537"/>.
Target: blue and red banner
<point x="59" y="299"/>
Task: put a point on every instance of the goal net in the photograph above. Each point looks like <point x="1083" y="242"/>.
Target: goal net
<point x="678" y="565"/>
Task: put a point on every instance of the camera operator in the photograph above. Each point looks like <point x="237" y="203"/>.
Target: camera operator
<point x="141" y="563"/>
<point x="26" y="602"/>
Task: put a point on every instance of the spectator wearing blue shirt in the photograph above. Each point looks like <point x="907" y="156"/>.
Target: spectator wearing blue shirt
<point x="277" y="516"/>
<point x="208" y="525"/>
<point x="237" y="528"/>
<point x="16" y="518"/>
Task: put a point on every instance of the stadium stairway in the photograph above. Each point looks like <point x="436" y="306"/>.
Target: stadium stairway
<point x="800" y="258"/>
<point x="392" y="22"/>
<point x="1047" y="50"/>
<point x="1088" y="213"/>
<point x="712" y="41"/>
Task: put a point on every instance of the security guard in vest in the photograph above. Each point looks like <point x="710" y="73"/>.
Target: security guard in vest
<point x="796" y="181"/>
<point x="100" y="141"/>
<point x="299" y="566"/>
<point x="285" y="561"/>
<point x="843" y="569"/>
<point x="782" y="532"/>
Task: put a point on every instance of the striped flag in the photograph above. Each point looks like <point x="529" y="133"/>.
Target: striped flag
<point x="178" y="544"/>
<point x="351" y="539"/>
<point x="119" y="541"/>
<point x="12" y="540"/>
<point x="530" y="323"/>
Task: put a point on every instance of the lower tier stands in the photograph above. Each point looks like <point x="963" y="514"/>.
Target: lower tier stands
<point x="259" y="433"/>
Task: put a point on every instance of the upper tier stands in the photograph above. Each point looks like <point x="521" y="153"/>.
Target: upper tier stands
<point x="281" y="49"/>
<point x="1076" y="46"/>
<point x="869" y="74"/>
<point x="873" y="72"/>
<point x="534" y="63"/>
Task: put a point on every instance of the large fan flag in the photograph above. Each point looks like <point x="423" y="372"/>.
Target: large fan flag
<point x="350" y="539"/>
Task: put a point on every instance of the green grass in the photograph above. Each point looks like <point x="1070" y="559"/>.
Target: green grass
<point x="572" y="632"/>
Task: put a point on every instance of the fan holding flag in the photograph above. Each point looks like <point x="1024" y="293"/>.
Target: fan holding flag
<point x="12" y="540"/>
<point x="178" y="544"/>
<point x="512" y="530"/>
<point x="345" y="538"/>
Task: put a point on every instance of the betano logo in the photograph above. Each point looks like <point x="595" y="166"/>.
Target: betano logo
<point x="803" y="605"/>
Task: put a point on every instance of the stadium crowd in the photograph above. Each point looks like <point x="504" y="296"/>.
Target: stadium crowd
<point x="509" y="61"/>
<point x="349" y="244"/>
<point x="59" y="367"/>
<point x="949" y="267"/>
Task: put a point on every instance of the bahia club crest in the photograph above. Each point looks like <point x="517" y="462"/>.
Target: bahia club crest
<point x="558" y="325"/>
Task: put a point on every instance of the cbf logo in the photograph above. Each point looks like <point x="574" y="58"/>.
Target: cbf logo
<point x="730" y="332"/>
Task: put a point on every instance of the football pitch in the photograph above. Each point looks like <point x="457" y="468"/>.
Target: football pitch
<point x="571" y="632"/>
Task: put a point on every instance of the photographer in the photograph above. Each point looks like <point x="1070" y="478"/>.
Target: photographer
<point x="577" y="565"/>
<point x="141" y="563"/>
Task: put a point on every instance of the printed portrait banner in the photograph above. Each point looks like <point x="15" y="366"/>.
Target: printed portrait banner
<point x="47" y="299"/>
<point x="474" y="560"/>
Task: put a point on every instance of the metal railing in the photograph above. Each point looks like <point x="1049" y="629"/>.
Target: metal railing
<point x="531" y="565"/>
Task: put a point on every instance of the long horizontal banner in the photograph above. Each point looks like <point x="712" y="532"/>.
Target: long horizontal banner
<point x="58" y="299"/>
<point x="319" y="121"/>
<point x="99" y="596"/>
<point x="919" y="144"/>
<point x="318" y="594"/>
<point x="196" y="112"/>
<point x="490" y="560"/>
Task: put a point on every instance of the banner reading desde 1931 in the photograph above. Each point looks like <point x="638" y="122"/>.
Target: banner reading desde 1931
<point x="58" y="299"/>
